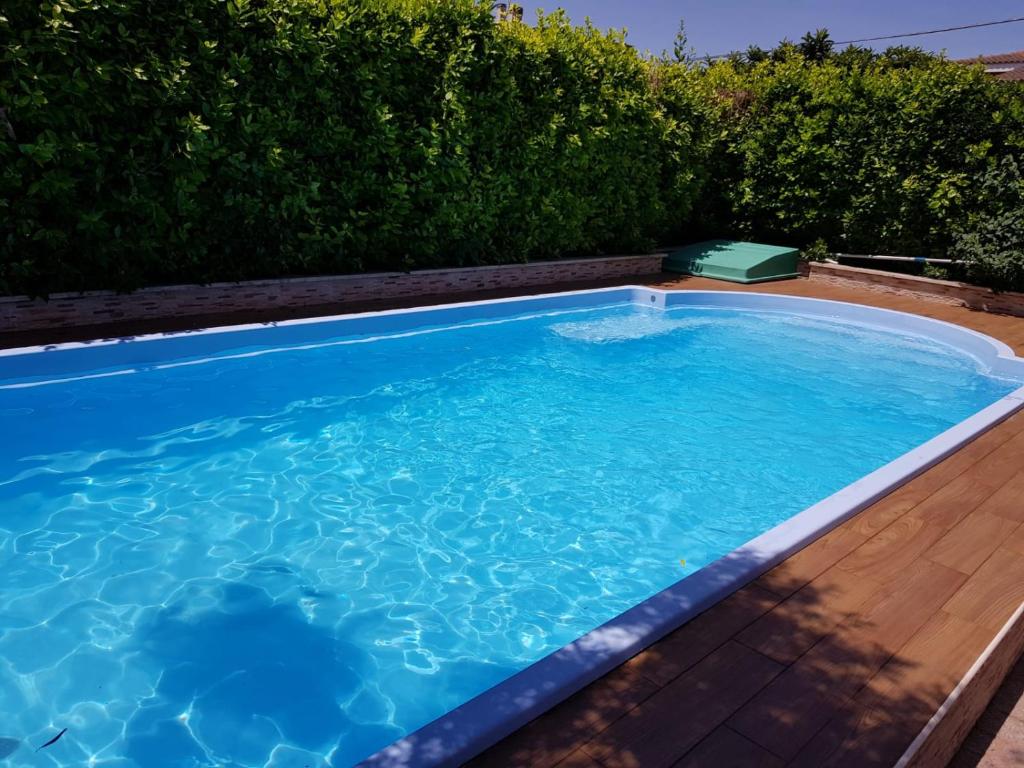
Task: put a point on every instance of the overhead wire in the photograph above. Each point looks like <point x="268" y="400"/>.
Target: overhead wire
<point x="908" y="34"/>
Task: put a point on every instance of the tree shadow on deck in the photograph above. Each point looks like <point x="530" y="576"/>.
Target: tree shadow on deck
<point x="838" y="671"/>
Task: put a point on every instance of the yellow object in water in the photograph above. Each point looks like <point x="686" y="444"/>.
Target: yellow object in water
<point x="682" y="562"/>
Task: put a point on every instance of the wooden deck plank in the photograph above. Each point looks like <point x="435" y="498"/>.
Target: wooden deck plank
<point x="797" y="571"/>
<point x="671" y="656"/>
<point x="897" y="504"/>
<point x="795" y="706"/>
<point x="794" y="626"/>
<point x="894" y="619"/>
<point x="550" y="740"/>
<point x="578" y="759"/>
<point x="666" y="726"/>
<point x="875" y="725"/>
<point x="993" y="593"/>
<point x="1001" y="467"/>
<point x="920" y="676"/>
<point x="1008" y="501"/>
<point x="724" y="748"/>
<point x="962" y="495"/>
<point x="886" y="556"/>
<point x="1015" y="543"/>
<point x="860" y="736"/>
<point x="971" y="542"/>
<point x="945" y="642"/>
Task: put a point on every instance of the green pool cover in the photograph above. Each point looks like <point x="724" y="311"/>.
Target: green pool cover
<point x="734" y="261"/>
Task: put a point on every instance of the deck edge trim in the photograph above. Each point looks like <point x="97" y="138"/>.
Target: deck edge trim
<point x="920" y="742"/>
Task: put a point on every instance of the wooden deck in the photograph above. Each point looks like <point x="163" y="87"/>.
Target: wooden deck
<point x="841" y="654"/>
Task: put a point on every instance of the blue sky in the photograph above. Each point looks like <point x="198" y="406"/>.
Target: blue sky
<point x="719" y="26"/>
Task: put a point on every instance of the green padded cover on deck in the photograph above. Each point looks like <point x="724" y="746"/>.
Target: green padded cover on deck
<point x="734" y="261"/>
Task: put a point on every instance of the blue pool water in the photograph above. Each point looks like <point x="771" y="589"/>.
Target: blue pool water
<point x="294" y="558"/>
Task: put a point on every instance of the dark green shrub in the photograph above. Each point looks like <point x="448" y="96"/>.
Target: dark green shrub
<point x="816" y="251"/>
<point x="991" y="243"/>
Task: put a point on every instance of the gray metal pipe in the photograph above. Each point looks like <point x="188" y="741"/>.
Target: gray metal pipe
<point x="880" y="257"/>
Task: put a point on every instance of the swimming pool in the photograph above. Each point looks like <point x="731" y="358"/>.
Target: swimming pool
<point x="302" y="543"/>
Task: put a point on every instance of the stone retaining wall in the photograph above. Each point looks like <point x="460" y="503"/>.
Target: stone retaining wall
<point x="19" y="313"/>
<point x="947" y="291"/>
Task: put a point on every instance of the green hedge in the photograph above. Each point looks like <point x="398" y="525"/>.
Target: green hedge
<point x="197" y="140"/>
<point x="866" y="154"/>
<point x="155" y="141"/>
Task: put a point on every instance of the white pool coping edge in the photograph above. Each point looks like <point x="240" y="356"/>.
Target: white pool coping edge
<point x="487" y="718"/>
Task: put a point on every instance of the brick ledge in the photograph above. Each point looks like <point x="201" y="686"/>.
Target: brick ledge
<point x="64" y="310"/>
<point x="946" y="291"/>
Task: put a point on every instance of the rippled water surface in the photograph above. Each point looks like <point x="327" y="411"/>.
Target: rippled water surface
<point x="294" y="558"/>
